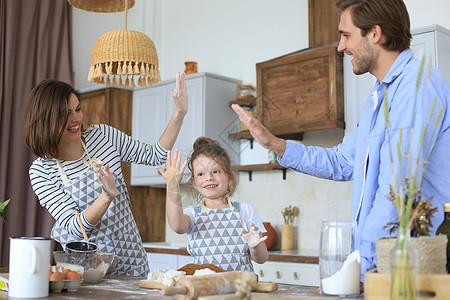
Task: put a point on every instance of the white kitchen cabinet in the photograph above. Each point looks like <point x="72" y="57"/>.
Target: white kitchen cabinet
<point x="209" y="114"/>
<point x="163" y="261"/>
<point x="432" y="41"/>
<point x="288" y="273"/>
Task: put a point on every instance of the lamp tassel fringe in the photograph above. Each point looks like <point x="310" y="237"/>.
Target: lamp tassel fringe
<point x="114" y="72"/>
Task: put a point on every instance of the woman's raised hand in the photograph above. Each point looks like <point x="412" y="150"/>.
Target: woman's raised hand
<point x="107" y="181"/>
<point x="180" y="95"/>
<point x="174" y="172"/>
<point x="253" y="237"/>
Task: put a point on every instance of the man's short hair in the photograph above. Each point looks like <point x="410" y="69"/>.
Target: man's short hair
<point x="391" y="15"/>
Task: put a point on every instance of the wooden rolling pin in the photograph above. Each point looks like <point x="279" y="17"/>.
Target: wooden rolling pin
<point x="214" y="284"/>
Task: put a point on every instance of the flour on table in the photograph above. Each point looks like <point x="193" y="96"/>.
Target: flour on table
<point x="205" y="271"/>
<point x="168" y="278"/>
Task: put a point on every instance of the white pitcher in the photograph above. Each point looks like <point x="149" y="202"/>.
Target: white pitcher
<point x="29" y="263"/>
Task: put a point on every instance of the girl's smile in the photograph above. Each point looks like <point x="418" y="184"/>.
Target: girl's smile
<point x="210" y="180"/>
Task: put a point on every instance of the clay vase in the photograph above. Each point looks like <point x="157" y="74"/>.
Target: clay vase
<point x="271" y="234"/>
<point x="191" y="67"/>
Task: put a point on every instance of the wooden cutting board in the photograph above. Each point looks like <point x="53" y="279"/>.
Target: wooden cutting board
<point x="260" y="296"/>
<point x="151" y="284"/>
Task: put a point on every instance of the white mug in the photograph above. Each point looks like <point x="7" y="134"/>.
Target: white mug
<point x="29" y="264"/>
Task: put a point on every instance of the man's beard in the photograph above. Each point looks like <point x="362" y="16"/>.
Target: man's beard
<point x="364" y="58"/>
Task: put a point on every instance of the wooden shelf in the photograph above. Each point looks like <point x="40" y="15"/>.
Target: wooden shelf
<point x="259" y="167"/>
<point x="241" y="135"/>
<point x="246" y="135"/>
<point x="245" y="102"/>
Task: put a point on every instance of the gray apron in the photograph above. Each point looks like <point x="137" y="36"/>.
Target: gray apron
<point x="116" y="231"/>
<point x="218" y="239"/>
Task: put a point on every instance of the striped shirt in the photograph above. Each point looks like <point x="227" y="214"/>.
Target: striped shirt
<point x="106" y="143"/>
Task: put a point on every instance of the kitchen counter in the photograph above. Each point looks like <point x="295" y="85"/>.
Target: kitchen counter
<point x="297" y="256"/>
<point x="125" y="287"/>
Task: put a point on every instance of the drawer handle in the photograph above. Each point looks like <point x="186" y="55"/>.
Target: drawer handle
<point x="278" y="274"/>
<point x="295" y="276"/>
<point x="261" y="273"/>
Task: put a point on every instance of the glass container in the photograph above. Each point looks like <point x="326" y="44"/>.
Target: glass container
<point x="339" y="259"/>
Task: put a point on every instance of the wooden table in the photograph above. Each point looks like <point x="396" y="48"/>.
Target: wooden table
<point x="123" y="287"/>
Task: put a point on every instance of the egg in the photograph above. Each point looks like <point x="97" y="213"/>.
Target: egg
<point x="67" y="271"/>
<point x="53" y="269"/>
<point x="72" y="275"/>
<point x="57" y="276"/>
<point x="99" y="260"/>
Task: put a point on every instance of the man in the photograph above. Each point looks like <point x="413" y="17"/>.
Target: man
<point x="376" y="33"/>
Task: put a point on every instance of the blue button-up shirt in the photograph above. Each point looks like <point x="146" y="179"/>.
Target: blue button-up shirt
<point x="364" y="155"/>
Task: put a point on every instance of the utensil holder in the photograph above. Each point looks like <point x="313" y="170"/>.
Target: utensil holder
<point x="287" y="237"/>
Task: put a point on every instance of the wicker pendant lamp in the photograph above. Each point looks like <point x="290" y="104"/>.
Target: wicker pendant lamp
<point x="121" y="57"/>
<point x="102" y="6"/>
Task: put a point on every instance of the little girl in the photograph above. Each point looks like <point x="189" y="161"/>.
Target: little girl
<point x="217" y="228"/>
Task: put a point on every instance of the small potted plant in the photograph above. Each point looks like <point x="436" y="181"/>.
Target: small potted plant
<point x="3" y="211"/>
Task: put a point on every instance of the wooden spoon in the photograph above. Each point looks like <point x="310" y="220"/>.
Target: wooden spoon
<point x="81" y="225"/>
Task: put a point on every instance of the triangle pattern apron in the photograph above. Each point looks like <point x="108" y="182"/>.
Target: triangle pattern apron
<point x="116" y="231"/>
<point x="217" y="239"/>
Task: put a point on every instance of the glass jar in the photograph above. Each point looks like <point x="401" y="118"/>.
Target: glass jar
<point x="339" y="259"/>
<point x="404" y="261"/>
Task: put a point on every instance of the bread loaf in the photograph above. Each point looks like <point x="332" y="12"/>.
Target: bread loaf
<point x="191" y="268"/>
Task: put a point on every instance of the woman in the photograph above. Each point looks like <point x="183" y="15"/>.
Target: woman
<point x="80" y="170"/>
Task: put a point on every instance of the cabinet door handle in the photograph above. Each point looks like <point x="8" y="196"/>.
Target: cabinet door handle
<point x="278" y="274"/>
<point x="295" y="276"/>
<point x="261" y="273"/>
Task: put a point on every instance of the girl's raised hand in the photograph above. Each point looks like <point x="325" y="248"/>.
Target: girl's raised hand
<point x="174" y="172"/>
<point x="180" y="95"/>
<point x="107" y="181"/>
<point x="253" y="237"/>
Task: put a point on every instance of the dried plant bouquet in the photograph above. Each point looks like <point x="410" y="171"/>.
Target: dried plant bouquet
<point x="289" y="214"/>
<point x="413" y="211"/>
